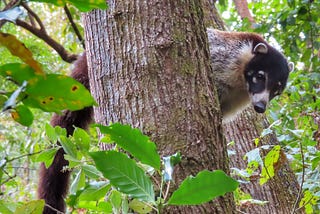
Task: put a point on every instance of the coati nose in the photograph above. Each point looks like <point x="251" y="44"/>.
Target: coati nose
<point x="260" y="107"/>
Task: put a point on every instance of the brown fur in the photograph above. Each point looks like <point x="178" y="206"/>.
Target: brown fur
<point x="53" y="182"/>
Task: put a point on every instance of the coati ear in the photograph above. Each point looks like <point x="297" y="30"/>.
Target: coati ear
<point x="260" y="48"/>
<point x="291" y="66"/>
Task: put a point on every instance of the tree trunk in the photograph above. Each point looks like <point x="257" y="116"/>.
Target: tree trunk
<point x="149" y="67"/>
<point x="281" y="191"/>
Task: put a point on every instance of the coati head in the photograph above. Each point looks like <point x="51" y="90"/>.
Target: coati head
<point x="266" y="75"/>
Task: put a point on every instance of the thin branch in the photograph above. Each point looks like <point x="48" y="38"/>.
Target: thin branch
<point x="167" y="191"/>
<point x="34" y="15"/>
<point x="9" y="177"/>
<point x="21" y="156"/>
<point x="54" y="209"/>
<point x="50" y="41"/>
<point x="302" y="181"/>
<point x="74" y="26"/>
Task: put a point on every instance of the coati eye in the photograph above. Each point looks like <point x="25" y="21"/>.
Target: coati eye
<point x="260" y="75"/>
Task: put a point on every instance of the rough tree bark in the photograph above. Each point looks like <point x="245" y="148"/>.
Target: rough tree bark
<point x="149" y="67"/>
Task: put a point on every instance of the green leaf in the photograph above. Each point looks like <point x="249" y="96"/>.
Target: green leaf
<point x="133" y="141"/>
<point x="18" y="72"/>
<point x="41" y="91"/>
<point x="82" y="139"/>
<point x="82" y="5"/>
<point x="139" y="207"/>
<point x="5" y="207"/>
<point x="78" y="183"/>
<point x="91" y="171"/>
<point x="124" y="174"/>
<point x="47" y="156"/>
<point x="204" y="187"/>
<point x="95" y="191"/>
<point x="115" y="199"/>
<point x="308" y="201"/>
<point x="22" y="115"/>
<point x="102" y="206"/>
<point x="56" y="93"/>
<point x="32" y="207"/>
<point x="3" y="99"/>
<point x="68" y="147"/>
<point x="270" y="160"/>
<point x="51" y="132"/>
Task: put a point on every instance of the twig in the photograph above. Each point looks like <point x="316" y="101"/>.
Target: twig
<point x="302" y="181"/>
<point x="304" y="204"/>
<point x="21" y="156"/>
<point x="74" y="26"/>
<point x="54" y="209"/>
<point x="9" y="177"/>
<point x="49" y="40"/>
<point x="34" y="15"/>
<point x="167" y="191"/>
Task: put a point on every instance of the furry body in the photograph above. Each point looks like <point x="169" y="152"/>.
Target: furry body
<point x="245" y="68"/>
<point x="53" y="182"/>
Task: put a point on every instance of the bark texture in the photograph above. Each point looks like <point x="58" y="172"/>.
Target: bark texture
<point x="282" y="190"/>
<point x="149" y="67"/>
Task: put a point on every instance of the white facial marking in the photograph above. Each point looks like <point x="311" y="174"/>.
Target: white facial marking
<point x="250" y="73"/>
<point x="262" y="96"/>
<point x="279" y="83"/>
<point x="254" y="80"/>
<point x="261" y="72"/>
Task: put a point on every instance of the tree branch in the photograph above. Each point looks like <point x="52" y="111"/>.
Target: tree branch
<point x="50" y="41"/>
<point x="34" y="15"/>
<point x="74" y="26"/>
<point x="243" y="10"/>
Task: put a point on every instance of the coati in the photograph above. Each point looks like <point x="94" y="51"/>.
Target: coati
<point x="245" y="69"/>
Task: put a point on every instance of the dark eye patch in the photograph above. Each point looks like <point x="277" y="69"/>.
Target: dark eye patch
<point x="258" y="77"/>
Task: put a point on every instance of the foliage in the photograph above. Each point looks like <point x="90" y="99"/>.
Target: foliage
<point x="130" y="183"/>
<point x="129" y="178"/>
<point x="295" y="26"/>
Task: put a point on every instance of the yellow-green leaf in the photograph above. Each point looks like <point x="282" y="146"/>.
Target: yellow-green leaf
<point x="270" y="160"/>
<point x="22" y="115"/>
<point x="18" y="49"/>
